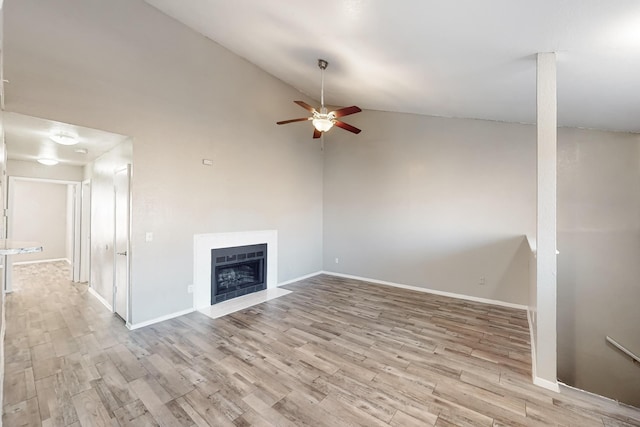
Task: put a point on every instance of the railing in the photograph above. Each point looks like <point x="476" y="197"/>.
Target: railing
<point x="623" y="349"/>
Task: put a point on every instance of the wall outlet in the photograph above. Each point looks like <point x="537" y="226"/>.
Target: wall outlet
<point x="148" y="237"/>
<point x="483" y="281"/>
<point x="190" y="289"/>
<point x="337" y="261"/>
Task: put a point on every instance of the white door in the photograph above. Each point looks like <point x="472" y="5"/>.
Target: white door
<point x="121" y="179"/>
<point x="85" y="232"/>
<point x="74" y="217"/>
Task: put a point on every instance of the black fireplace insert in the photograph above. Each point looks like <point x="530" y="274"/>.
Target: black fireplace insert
<point x="238" y="271"/>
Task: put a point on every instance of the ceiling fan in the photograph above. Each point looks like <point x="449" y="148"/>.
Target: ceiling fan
<point x="323" y="120"/>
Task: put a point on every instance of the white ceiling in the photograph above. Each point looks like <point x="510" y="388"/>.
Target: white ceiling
<point x="455" y="58"/>
<point x="28" y="139"/>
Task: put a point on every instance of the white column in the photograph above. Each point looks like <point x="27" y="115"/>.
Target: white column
<point x="546" y="265"/>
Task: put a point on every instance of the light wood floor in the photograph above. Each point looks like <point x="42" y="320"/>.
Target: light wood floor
<point x="335" y="352"/>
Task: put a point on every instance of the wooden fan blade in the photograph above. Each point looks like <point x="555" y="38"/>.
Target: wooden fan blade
<point x="346" y="111"/>
<point x="347" y="126"/>
<point x="316" y="133"/>
<point x="306" y="106"/>
<point x="284" y="122"/>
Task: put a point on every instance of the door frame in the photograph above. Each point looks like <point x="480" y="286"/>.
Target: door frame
<point x="126" y="169"/>
<point x="85" y="233"/>
<point x="75" y="262"/>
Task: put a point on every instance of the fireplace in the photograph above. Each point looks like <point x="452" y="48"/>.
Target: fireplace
<point x="237" y="271"/>
<point x="203" y="268"/>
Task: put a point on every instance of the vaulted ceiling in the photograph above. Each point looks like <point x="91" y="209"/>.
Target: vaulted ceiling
<point x="460" y="58"/>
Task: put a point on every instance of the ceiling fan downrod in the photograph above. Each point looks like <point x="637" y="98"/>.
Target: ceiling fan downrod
<point x="322" y="64"/>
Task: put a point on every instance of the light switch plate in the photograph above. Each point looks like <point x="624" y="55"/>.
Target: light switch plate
<point x="149" y="236"/>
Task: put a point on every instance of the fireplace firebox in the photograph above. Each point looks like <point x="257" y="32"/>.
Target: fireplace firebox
<point x="237" y="271"/>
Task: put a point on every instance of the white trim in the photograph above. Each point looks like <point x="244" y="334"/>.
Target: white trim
<point x="533" y="345"/>
<point x="39" y="261"/>
<point x="549" y="385"/>
<point x="159" y="319"/>
<point x="579" y="390"/>
<point x="99" y="298"/>
<point x="297" y="279"/>
<point x="431" y="291"/>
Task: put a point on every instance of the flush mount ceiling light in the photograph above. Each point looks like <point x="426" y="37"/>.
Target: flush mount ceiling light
<point x="48" y="162"/>
<point x="64" y="138"/>
<point x="323" y="120"/>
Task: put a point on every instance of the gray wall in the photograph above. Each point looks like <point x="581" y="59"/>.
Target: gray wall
<point x="432" y="202"/>
<point x="39" y="213"/>
<point x="100" y="172"/>
<point x="598" y="265"/>
<point x="127" y="68"/>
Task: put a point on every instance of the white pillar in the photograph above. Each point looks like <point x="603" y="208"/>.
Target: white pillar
<point x="546" y="265"/>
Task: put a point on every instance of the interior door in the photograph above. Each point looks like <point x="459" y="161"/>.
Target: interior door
<point x="85" y="232"/>
<point x="74" y="194"/>
<point x="121" y="242"/>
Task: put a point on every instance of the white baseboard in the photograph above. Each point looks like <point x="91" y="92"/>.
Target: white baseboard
<point x="40" y="261"/>
<point x="297" y="279"/>
<point x="430" y="291"/>
<point x="99" y="298"/>
<point x="133" y="326"/>
<point x="533" y="345"/>
<point x="579" y="390"/>
<point x="549" y="385"/>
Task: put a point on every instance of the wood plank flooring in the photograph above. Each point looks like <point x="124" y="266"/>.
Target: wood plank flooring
<point x="335" y="352"/>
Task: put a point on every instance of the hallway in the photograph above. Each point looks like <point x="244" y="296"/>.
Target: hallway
<point x="55" y="343"/>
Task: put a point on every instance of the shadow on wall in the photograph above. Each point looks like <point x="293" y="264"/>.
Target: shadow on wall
<point x="598" y="294"/>
<point x="496" y="270"/>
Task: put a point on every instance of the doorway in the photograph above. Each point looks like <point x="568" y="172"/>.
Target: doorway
<point x="94" y="158"/>
<point x="46" y="211"/>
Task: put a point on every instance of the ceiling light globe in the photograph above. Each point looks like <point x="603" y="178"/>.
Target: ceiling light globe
<point x="322" y="124"/>
<point x="48" y="162"/>
<point x="64" y="139"/>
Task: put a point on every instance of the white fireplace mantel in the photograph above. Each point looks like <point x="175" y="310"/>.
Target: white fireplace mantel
<point x="202" y="245"/>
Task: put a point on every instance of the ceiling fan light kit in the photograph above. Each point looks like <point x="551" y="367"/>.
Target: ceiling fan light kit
<point x="322" y="124"/>
<point x="322" y="120"/>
